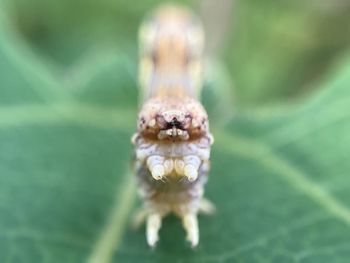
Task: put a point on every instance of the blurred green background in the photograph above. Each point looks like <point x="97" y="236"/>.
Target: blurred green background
<point x="277" y="92"/>
<point x="272" y="50"/>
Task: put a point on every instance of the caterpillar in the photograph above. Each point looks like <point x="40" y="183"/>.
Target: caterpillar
<point x="172" y="143"/>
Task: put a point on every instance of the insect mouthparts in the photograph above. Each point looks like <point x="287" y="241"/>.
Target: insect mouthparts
<point x="175" y="123"/>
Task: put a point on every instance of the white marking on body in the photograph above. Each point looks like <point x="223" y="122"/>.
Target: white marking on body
<point x="171" y="114"/>
<point x="194" y="123"/>
<point x="152" y="123"/>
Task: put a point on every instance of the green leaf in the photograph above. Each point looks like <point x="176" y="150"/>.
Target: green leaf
<point x="280" y="49"/>
<point x="279" y="175"/>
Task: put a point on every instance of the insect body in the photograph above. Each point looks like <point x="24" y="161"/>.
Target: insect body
<point x="172" y="143"/>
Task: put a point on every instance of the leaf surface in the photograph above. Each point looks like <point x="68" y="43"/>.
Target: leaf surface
<point x="279" y="177"/>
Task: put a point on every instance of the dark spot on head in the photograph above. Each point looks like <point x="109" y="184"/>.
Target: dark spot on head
<point x="142" y="121"/>
<point x="174" y="123"/>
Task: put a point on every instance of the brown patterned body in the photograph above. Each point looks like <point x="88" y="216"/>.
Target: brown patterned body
<point x="172" y="143"/>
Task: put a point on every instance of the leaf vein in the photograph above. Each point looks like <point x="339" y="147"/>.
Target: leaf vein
<point x="262" y="154"/>
<point x="112" y="234"/>
<point x="75" y="113"/>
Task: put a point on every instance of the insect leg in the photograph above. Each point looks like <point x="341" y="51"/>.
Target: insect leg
<point x="206" y="207"/>
<point x="154" y="222"/>
<point x="190" y="224"/>
<point x="139" y="218"/>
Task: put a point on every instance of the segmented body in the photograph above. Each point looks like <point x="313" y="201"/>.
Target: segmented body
<point x="175" y="192"/>
<point x="172" y="144"/>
